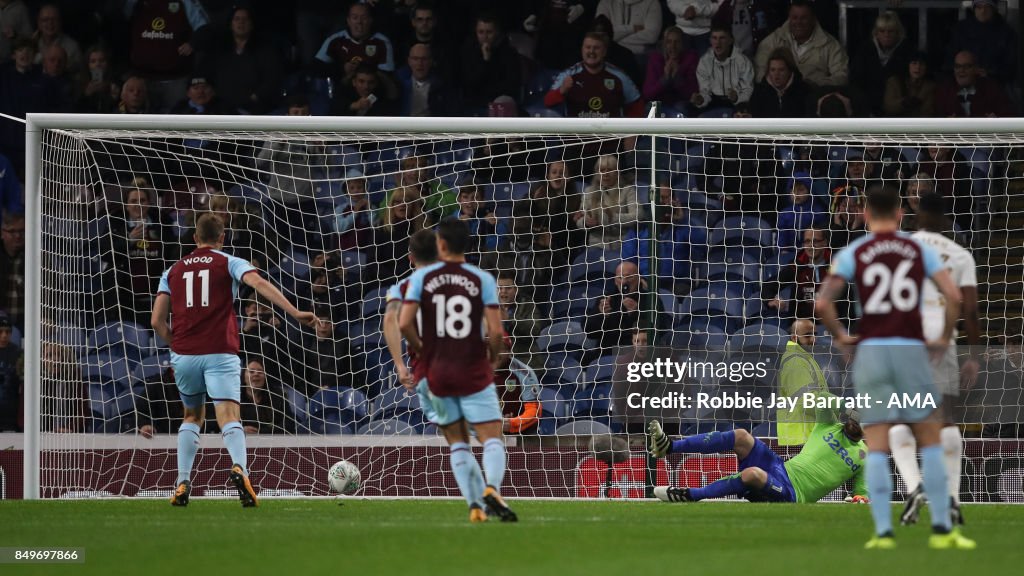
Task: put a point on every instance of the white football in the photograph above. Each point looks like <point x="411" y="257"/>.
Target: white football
<point x="344" y="477"/>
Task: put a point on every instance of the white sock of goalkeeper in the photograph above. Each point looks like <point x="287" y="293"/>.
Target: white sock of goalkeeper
<point x="904" y="454"/>
<point x="188" y="445"/>
<point x="467" y="473"/>
<point x="952" y="452"/>
<point x="494" y="462"/>
<point x="234" y="440"/>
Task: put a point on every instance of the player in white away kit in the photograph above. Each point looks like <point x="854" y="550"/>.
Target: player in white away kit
<point x="949" y="375"/>
<point x="199" y="291"/>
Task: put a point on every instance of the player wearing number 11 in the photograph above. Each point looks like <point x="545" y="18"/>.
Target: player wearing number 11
<point x="889" y="269"/>
<point x="199" y="291"/>
<point x="457" y="366"/>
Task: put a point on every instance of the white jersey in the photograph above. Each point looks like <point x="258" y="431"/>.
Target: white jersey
<point x="960" y="264"/>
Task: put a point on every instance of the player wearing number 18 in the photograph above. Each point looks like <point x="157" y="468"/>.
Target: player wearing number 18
<point x="456" y="364"/>
<point x="199" y="292"/>
<point x="889" y="269"/>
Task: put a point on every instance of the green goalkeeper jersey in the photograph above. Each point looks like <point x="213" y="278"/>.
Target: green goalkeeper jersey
<point x="827" y="460"/>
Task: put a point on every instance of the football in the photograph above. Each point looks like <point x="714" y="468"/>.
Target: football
<point x="344" y="477"/>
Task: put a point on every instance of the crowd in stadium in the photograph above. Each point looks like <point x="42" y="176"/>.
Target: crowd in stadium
<point x="565" y="227"/>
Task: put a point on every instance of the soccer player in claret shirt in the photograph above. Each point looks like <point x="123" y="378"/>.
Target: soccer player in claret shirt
<point x="889" y="269"/>
<point x="422" y="252"/>
<point x="199" y="292"/>
<point x="833" y="454"/>
<point x="457" y="366"/>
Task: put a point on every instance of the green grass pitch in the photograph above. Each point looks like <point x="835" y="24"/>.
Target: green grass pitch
<point x="419" y="537"/>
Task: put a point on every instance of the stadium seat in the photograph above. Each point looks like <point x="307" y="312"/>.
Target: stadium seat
<point x="599" y="370"/>
<point x="298" y="405"/>
<point x="150" y="367"/>
<point x="295" y="264"/>
<point x="111" y="397"/>
<point x="593" y="402"/>
<point x="561" y="337"/>
<point x="128" y="340"/>
<point x="562" y="368"/>
<point x="554" y="410"/>
<point x="398" y="403"/>
<point x="698" y="335"/>
<point x="373" y="303"/>
<point x="745" y="272"/>
<point x="70" y="336"/>
<point x="387" y="428"/>
<point x="336" y="410"/>
<point x="766" y="337"/>
<point x="353" y="261"/>
<point x="717" y="300"/>
<point x="579" y="428"/>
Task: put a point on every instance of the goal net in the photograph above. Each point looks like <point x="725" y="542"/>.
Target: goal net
<point x="618" y="246"/>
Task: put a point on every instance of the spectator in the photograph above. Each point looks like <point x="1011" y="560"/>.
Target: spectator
<point x="23" y="89"/>
<point x="801" y="277"/>
<point x="482" y="222"/>
<point x="519" y="317"/>
<point x="956" y="182"/>
<point x="725" y="77"/>
<point x="12" y="268"/>
<point x="986" y="34"/>
<point x="918" y="185"/>
<point x="10" y="383"/>
<point x="164" y="38"/>
<point x="50" y="32"/>
<point x="245" y="236"/>
<point x="342" y="52"/>
<point x="911" y="92"/>
<point x="99" y="92"/>
<point x="636" y="24"/>
<point x="138" y="243"/>
<point x="559" y="26"/>
<point x="799" y="374"/>
<point x="402" y="217"/>
<point x="847" y="216"/>
<point x="326" y="359"/>
<point x="672" y="71"/>
<point x="970" y="94"/>
<point x="782" y="92"/>
<point x="12" y="196"/>
<point x="297" y="105"/>
<point x="63" y="84"/>
<point x="837" y="104"/>
<point x="263" y="335"/>
<point x="617" y="54"/>
<point x="490" y="67"/>
<point x="262" y="409"/>
<point x="64" y="406"/>
<point x="592" y="88"/>
<point x="616" y="315"/>
<point x="678" y="243"/>
<point x="609" y="206"/>
<point x="751" y="21"/>
<point x="290" y="167"/>
<point x="14" y="25"/>
<point x="519" y="392"/>
<point x="331" y="288"/>
<point x="854" y="171"/>
<point x="693" y="17"/>
<point x="885" y="163"/>
<point x="423" y="20"/>
<point x="134" y="97"/>
<point x="873" y="63"/>
<point x="438" y="199"/>
<point x="822" y="61"/>
<point x="201" y="98"/>
<point x="424" y="91"/>
<point x="354" y="214"/>
<point x="361" y="96"/>
<point x="801" y="213"/>
<point x="247" y="68"/>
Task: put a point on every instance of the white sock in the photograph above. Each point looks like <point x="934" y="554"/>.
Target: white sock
<point x="904" y="453"/>
<point x="953" y="451"/>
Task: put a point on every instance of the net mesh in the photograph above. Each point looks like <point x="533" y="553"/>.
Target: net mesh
<point x="609" y="249"/>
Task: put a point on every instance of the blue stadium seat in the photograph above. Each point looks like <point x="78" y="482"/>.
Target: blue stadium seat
<point x="562" y="368"/>
<point x="583" y="269"/>
<point x="337" y="410"/>
<point x="128" y="340"/>
<point x="583" y="428"/>
<point x="717" y="300"/>
<point x="593" y="402"/>
<point x="765" y="337"/>
<point x="295" y="264"/>
<point x="695" y="334"/>
<point x="353" y="261"/>
<point x="391" y="427"/>
<point x="745" y="231"/>
<point x="373" y="303"/>
<point x="561" y="336"/>
<point x="398" y="403"/>
<point x="554" y="410"/>
<point x="70" y="336"/>
<point x="111" y="397"/>
<point x="599" y="370"/>
<point x="298" y="405"/>
<point x="744" y="271"/>
<point x="150" y="367"/>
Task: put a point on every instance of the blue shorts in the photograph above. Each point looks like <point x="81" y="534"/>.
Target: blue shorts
<point x="778" y="487"/>
<point x="216" y="375"/>
<point x="477" y="408"/>
<point x="881" y="370"/>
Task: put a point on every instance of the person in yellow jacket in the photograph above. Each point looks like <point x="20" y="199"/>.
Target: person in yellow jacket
<point x="799" y="373"/>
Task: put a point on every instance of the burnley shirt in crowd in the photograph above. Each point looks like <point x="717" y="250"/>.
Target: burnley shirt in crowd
<point x="340" y="48"/>
<point x="203" y="287"/>
<point x="452" y="298"/>
<point x="606" y="94"/>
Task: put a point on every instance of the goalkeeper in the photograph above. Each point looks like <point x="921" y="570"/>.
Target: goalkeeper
<point x="834" y="453"/>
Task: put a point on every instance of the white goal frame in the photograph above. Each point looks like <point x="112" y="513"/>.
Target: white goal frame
<point x="653" y="127"/>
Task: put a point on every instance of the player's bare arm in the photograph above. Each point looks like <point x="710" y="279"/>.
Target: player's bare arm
<point x="972" y="325"/>
<point x="161" y="308"/>
<point x="270" y="292"/>
<point x="825" y="305"/>
<point x="951" y="294"/>
<point x="393" y="337"/>
<point x="407" y="325"/>
<point x="492" y="315"/>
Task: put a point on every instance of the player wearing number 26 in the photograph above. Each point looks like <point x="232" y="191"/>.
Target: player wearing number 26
<point x="889" y="269"/>
<point x="459" y="302"/>
<point x="199" y="292"/>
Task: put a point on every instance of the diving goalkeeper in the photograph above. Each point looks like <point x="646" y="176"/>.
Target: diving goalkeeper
<point x="834" y="453"/>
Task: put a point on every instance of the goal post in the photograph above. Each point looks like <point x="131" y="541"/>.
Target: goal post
<point x="708" y="257"/>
